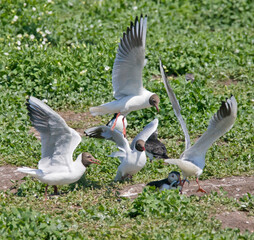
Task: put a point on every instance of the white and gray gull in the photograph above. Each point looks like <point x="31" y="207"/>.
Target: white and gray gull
<point x="192" y="160"/>
<point x="58" y="142"/>
<point x="132" y="157"/>
<point x="127" y="75"/>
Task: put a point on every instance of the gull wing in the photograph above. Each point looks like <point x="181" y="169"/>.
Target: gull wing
<point x="176" y="106"/>
<point x="130" y="60"/>
<point x="220" y="123"/>
<point x="105" y="132"/>
<point x="58" y="141"/>
<point x="148" y="130"/>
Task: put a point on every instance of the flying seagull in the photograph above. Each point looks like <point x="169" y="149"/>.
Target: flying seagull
<point x="132" y="157"/>
<point x="58" y="142"/>
<point x="127" y="82"/>
<point x="192" y="160"/>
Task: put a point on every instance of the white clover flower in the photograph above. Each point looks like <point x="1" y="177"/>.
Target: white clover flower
<point x="83" y="72"/>
<point x="18" y="48"/>
<point x="135" y="8"/>
<point x="34" y="9"/>
<point x="38" y="29"/>
<point x="6" y="54"/>
<point x="43" y="43"/>
<point x="19" y="35"/>
<point x="47" y="31"/>
<point x="18" y="42"/>
<point x="15" y="18"/>
<point x="49" y="12"/>
<point x="45" y="100"/>
<point x="49" y="1"/>
<point x="32" y="37"/>
<point x="24" y="4"/>
<point x="107" y="68"/>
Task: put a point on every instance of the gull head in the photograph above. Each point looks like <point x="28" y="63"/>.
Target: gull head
<point x="154" y="100"/>
<point x="140" y="145"/>
<point x="174" y="176"/>
<point x="88" y="159"/>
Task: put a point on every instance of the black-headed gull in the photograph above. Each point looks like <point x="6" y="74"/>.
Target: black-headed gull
<point x="127" y="75"/>
<point x="155" y="148"/>
<point x="58" y="142"/>
<point x="192" y="160"/>
<point x="172" y="181"/>
<point x="132" y="157"/>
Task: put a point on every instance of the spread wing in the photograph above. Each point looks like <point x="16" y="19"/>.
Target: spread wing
<point x="58" y="141"/>
<point x="148" y="130"/>
<point x="176" y="106"/>
<point x="106" y="133"/>
<point x="220" y="123"/>
<point x="130" y="60"/>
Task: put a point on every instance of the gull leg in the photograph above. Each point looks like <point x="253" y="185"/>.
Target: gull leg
<point x="46" y="193"/>
<point x="55" y="190"/>
<point x="200" y="189"/>
<point x="112" y="128"/>
<point x="124" y="129"/>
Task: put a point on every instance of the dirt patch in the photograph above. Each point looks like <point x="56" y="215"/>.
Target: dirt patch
<point x="236" y="220"/>
<point x="229" y="82"/>
<point x="8" y="176"/>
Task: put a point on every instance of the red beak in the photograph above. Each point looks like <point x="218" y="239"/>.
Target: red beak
<point x="143" y="148"/>
<point x="157" y="108"/>
<point x="96" y="161"/>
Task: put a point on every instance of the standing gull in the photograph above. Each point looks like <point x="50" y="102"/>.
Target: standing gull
<point x="192" y="160"/>
<point x="58" y="142"/>
<point x="127" y="75"/>
<point x="133" y="158"/>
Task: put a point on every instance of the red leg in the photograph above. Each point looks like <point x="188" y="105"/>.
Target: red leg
<point x="124" y="129"/>
<point x="200" y="189"/>
<point x="112" y="128"/>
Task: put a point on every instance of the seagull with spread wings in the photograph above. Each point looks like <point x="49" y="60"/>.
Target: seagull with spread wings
<point x="132" y="157"/>
<point x="192" y="160"/>
<point x="58" y="142"/>
<point x="127" y="76"/>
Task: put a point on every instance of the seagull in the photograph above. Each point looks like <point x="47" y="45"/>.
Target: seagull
<point x="172" y="181"/>
<point x="155" y="148"/>
<point x="132" y="157"/>
<point x="192" y="160"/>
<point x="127" y="82"/>
<point x="58" y="142"/>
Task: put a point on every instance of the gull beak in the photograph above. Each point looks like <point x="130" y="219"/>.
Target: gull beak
<point x="157" y="108"/>
<point x="143" y="148"/>
<point x="96" y="161"/>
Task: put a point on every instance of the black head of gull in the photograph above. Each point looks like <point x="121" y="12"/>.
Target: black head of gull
<point x="154" y="100"/>
<point x="140" y="145"/>
<point x="88" y="159"/>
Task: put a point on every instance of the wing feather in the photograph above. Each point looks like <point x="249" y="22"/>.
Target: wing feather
<point x="58" y="141"/>
<point x="220" y="123"/>
<point x="176" y="106"/>
<point x="130" y="60"/>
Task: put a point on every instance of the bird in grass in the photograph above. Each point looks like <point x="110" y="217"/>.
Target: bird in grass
<point x="171" y="182"/>
<point x="155" y="148"/>
<point x="127" y="82"/>
<point x="132" y="157"/>
<point x="192" y="160"/>
<point x="58" y="142"/>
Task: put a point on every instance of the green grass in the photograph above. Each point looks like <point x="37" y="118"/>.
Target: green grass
<point x="60" y="50"/>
